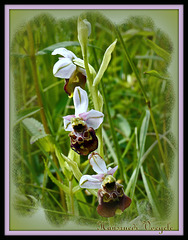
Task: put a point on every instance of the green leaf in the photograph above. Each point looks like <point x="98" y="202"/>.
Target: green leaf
<point x="150" y="193"/>
<point x="153" y="57"/>
<point x="81" y="198"/>
<point x="158" y="50"/>
<point x="124" y="125"/>
<point x="35" y="138"/>
<point x="36" y="131"/>
<point x="51" y="48"/>
<point x="143" y="132"/>
<point x="154" y="73"/>
<point x="105" y="62"/>
<point x="142" y="140"/>
<point x="136" y="32"/>
<point x="33" y="126"/>
<point x="63" y="164"/>
<point x="74" y="156"/>
<point x="109" y="146"/>
<point x="88" y="24"/>
<point x="76" y="171"/>
<point x="54" y="180"/>
<point x="74" y="167"/>
<point x="129" y="185"/>
<point x="83" y="32"/>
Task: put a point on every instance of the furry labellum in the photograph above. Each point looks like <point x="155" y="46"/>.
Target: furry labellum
<point x="83" y="140"/>
<point x="111" y="197"/>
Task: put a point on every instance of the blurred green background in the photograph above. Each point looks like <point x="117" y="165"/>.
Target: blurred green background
<point x="125" y="102"/>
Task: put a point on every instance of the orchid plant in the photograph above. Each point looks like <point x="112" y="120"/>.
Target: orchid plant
<point x="83" y="123"/>
<point x="101" y="142"/>
<point x="85" y="130"/>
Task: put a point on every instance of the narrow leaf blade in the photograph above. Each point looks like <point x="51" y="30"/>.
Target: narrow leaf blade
<point x="158" y="50"/>
<point x="150" y="193"/>
<point x="142" y="139"/>
<point x="154" y="73"/>
<point x="105" y="62"/>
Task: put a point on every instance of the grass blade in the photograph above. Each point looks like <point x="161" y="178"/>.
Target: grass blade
<point x="109" y="145"/>
<point x="158" y="50"/>
<point x="143" y="132"/>
<point x="22" y="114"/>
<point x="54" y="180"/>
<point x="154" y="73"/>
<point x="150" y="193"/>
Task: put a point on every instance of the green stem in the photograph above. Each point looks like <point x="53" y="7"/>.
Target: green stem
<point x="35" y="78"/>
<point x="94" y="94"/>
<point x="86" y="65"/>
<point x="71" y="196"/>
<point x="116" y="146"/>
<point x="114" y="137"/>
<point x="76" y="171"/>
<point x="144" y="94"/>
<point x="62" y="194"/>
<point x="132" y="64"/>
<point x="100" y="147"/>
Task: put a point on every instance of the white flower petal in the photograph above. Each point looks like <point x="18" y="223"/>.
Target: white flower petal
<point x="63" y="68"/>
<point x="93" y="118"/>
<point x="97" y="163"/>
<point x="80" y="101"/>
<point x="64" y="52"/>
<point x="99" y="177"/>
<point x="68" y="117"/>
<point x="82" y="70"/>
<point x="111" y="171"/>
<point x="87" y="181"/>
<point x="67" y="123"/>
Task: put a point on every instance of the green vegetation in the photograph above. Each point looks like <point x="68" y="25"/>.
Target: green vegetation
<point x="138" y="97"/>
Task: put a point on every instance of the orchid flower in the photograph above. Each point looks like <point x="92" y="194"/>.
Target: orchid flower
<point x="111" y="197"/>
<point x="82" y="124"/>
<point x="99" y="166"/>
<point x="92" y="118"/>
<point x="66" y="68"/>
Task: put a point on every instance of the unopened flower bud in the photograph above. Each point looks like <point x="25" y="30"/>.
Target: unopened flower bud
<point x="84" y="30"/>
